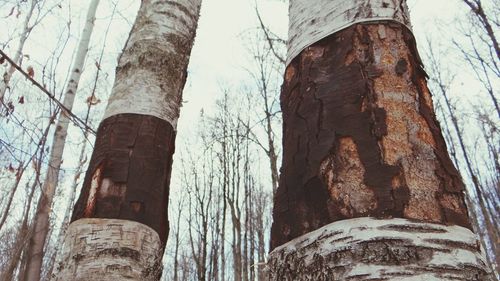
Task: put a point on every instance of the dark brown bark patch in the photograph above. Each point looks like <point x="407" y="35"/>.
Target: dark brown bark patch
<point x="324" y="88"/>
<point x="332" y="93"/>
<point x="133" y="157"/>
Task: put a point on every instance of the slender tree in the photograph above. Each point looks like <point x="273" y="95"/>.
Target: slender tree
<point x="42" y="215"/>
<point x="119" y="225"/>
<point x="7" y="75"/>
<point x="367" y="190"/>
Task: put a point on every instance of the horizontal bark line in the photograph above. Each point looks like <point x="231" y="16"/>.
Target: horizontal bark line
<point x="109" y="249"/>
<point x="381" y="249"/>
<point x="360" y="137"/>
<point x="310" y="23"/>
<point x="151" y="72"/>
<point x="129" y="172"/>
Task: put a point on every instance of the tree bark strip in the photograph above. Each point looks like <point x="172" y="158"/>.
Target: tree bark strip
<point x="129" y="171"/>
<point x="361" y="140"/>
<point x="387" y="249"/>
<point x="44" y="207"/>
<point x="360" y="136"/>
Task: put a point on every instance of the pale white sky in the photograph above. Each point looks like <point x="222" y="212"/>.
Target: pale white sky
<point x="218" y="54"/>
<point x="218" y="57"/>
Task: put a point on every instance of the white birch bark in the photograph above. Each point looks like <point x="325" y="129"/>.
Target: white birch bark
<point x="4" y="82"/>
<point x="380" y="249"/>
<point x="149" y="80"/>
<point x="310" y="22"/>
<point x="70" y="200"/>
<point x="109" y="249"/>
<point x="151" y="71"/>
<point x="35" y="250"/>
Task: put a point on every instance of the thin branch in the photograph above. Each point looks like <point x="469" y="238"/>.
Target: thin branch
<point x="75" y="119"/>
<point x="268" y="38"/>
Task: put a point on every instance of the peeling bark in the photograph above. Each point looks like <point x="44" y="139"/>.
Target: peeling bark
<point x="129" y="171"/>
<point x="360" y="136"/>
<point x="109" y="249"/>
<point x="388" y="249"/>
<point x="360" y="140"/>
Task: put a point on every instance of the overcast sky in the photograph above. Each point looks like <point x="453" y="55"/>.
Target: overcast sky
<point x="219" y="56"/>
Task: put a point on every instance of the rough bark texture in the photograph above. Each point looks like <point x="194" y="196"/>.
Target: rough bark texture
<point x="41" y="219"/>
<point x="129" y="172"/>
<point x="151" y="72"/>
<point x="388" y="249"/>
<point x="109" y="249"/>
<point x="360" y="136"/>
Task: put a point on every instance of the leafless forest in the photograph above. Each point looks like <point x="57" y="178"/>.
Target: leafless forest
<point x="227" y="158"/>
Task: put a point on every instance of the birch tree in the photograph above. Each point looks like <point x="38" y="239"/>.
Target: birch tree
<point x="119" y="225"/>
<point x="367" y="189"/>
<point x="26" y="30"/>
<point x="42" y="215"/>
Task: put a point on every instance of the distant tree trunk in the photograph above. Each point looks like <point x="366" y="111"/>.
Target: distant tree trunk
<point x="119" y="226"/>
<point x="177" y="240"/>
<point x="19" y="174"/>
<point x="260" y="208"/>
<point x="25" y="229"/>
<point x="5" y="79"/>
<point x="42" y="215"/>
<point x="71" y="199"/>
<point x="361" y="140"/>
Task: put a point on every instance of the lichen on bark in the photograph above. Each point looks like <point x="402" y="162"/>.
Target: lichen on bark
<point x="151" y="71"/>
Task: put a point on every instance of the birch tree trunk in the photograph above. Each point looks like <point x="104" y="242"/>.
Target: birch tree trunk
<point x="42" y="215"/>
<point x="119" y="225"/>
<point x="367" y="190"/>
<point x="5" y="80"/>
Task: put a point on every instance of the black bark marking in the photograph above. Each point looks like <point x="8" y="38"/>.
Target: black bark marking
<point x="401" y="67"/>
<point x="340" y="92"/>
<point x="413" y="228"/>
<point x="134" y="153"/>
<point x="325" y="78"/>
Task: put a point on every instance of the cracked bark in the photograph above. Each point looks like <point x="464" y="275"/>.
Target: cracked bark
<point x="360" y="136"/>
<point x="360" y="139"/>
<point x="387" y="249"/>
<point x="125" y="192"/>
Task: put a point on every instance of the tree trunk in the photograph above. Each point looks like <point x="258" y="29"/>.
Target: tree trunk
<point x="42" y="215"/>
<point x="16" y="258"/>
<point x="119" y="225"/>
<point x="5" y="80"/>
<point x="361" y="140"/>
<point x="177" y="240"/>
<point x="71" y="199"/>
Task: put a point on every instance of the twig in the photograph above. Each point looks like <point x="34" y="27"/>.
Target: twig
<point x="75" y="119"/>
